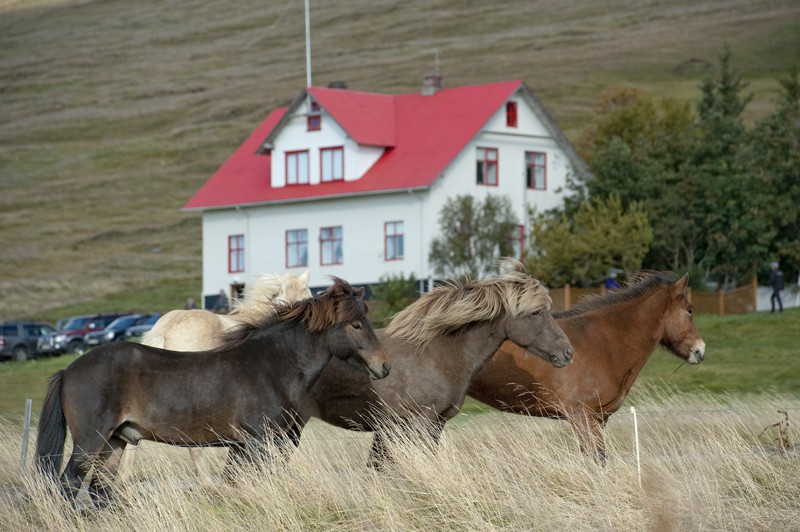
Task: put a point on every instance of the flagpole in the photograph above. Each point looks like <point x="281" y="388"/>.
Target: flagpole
<point x="308" y="48"/>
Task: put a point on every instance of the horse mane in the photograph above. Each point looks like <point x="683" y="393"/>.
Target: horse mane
<point x="269" y="289"/>
<point x="339" y="304"/>
<point x="450" y="307"/>
<point x="643" y="283"/>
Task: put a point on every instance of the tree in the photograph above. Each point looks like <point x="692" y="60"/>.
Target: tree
<point x="474" y="234"/>
<point x="635" y="149"/>
<point x="728" y="203"/>
<point x="396" y="292"/>
<point x="775" y="161"/>
<point x="582" y="248"/>
<point x="693" y="174"/>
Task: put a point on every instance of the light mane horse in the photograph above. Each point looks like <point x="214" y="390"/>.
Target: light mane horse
<point x="203" y="330"/>
<point x="436" y="345"/>
<point x="200" y="330"/>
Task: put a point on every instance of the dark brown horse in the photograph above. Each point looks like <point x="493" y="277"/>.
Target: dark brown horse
<point x="437" y="345"/>
<point x="613" y="337"/>
<point x="237" y="395"/>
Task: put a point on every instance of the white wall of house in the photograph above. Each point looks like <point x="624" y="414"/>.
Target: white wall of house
<point x="362" y="218"/>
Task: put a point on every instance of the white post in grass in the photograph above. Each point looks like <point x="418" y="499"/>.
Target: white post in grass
<point x="25" y="434"/>
<point x="636" y="443"/>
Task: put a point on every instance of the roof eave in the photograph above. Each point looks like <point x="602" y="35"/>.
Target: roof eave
<point x="578" y="164"/>
<point x="306" y="199"/>
<point x="268" y="144"/>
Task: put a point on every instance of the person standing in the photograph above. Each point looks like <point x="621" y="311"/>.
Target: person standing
<point x="776" y="281"/>
<point x="222" y="306"/>
<point x="611" y="282"/>
<point x="190" y="304"/>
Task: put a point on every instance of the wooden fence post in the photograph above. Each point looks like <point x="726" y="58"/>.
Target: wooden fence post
<point x="567" y="297"/>
<point x="755" y="293"/>
<point x="721" y="302"/>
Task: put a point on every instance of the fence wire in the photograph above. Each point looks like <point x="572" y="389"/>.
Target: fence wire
<point x="465" y="422"/>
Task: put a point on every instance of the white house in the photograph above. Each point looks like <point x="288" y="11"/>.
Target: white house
<point x="351" y="183"/>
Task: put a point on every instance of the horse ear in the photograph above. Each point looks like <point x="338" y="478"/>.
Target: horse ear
<point x="679" y="288"/>
<point x="359" y="292"/>
<point x="304" y="277"/>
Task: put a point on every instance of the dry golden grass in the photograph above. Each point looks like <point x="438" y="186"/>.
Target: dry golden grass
<point x="707" y="464"/>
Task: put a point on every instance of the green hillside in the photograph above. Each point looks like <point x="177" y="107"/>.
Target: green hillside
<point x="113" y="113"/>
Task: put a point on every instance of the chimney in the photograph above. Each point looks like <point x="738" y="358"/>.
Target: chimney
<point x="431" y="83"/>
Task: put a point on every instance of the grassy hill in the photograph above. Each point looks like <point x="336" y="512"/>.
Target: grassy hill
<point x="113" y="113"/>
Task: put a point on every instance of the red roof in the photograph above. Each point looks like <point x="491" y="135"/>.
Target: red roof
<point x="423" y="134"/>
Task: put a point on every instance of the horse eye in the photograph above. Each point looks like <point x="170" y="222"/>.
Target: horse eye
<point x="689" y="310"/>
<point x="356" y="325"/>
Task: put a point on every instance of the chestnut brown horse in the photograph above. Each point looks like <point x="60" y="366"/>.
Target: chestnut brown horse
<point x="235" y="396"/>
<point x="436" y="346"/>
<point x="613" y="337"/>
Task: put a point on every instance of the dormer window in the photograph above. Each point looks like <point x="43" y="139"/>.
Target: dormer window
<point x="314" y="120"/>
<point x="332" y="166"/>
<point x="297" y="167"/>
<point x="511" y="114"/>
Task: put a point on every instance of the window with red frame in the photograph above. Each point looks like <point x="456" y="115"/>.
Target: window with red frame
<point x="314" y="120"/>
<point x="296" y="248"/>
<point x="536" y="170"/>
<point x="297" y="167"/>
<point x="330" y="245"/>
<point x="518" y="241"/>
<point x="393" y="241"/>
<point x="332" y="164"/>
<point x="511" y="114"/>
<point x="235" y="253"/>
<point x="487" y="166"/>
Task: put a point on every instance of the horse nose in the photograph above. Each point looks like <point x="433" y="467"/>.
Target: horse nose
<point x="385" y="368"/>
<point x="569" y="353"/>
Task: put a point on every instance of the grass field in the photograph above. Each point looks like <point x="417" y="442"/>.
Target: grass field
<point x="113" y="113"/>
<point x="705" y="465"/>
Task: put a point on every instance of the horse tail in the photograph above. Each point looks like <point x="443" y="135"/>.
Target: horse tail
<point x="52" y="429"/>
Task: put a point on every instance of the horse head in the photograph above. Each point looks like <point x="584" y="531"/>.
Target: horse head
<point x="528" y="321"/>
<point x="342" y="313"/>
<point x="680" y="333"/>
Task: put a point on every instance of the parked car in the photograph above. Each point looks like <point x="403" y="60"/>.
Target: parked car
<point x="113" y="331"/>
<point x="18" y="339"/>
<point x="135" y="333"/>
<point x="70" y="338"/>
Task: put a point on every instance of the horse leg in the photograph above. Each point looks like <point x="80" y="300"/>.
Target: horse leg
<point x="591" y="436"/>
<point x="106" y="470"/>
<point x="287" y="440"/>
<point x="435" y="432"/>
<point x="127" y="462"/>
<point x="200" y="465"/>
<point x="72" y="478"/>
<point x="238" y="455"/>
<point x="379" y="452"/>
